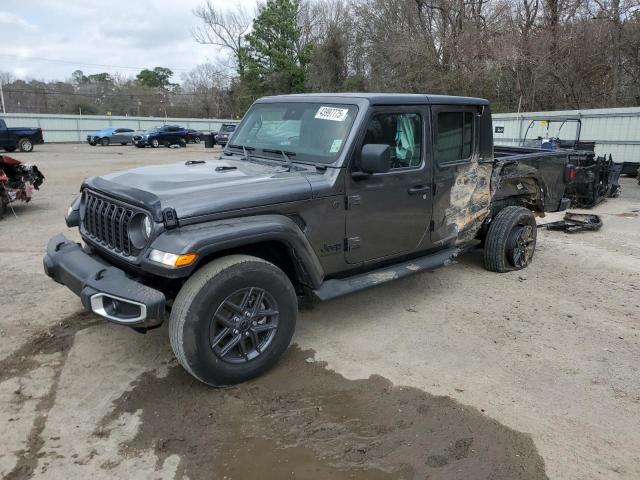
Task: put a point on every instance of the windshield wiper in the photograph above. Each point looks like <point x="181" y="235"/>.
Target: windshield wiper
<point x="244" y="151"/>
<point x="285" y="155"/>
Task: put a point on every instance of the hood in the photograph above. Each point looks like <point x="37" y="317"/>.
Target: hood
<point x="204" y="187"/>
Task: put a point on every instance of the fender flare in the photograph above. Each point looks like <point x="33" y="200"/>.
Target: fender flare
<point x="210" y="237"/>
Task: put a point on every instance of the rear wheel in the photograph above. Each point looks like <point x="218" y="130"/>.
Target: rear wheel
<point x="104" y="141"/>
<point x="511" y="240"/>
<point x="25" y="145"/>
<point x="233" y="319"/>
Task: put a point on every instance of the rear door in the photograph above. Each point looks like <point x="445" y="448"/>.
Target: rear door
<point x="388" y="214"/>
<point x="462" y="179"/>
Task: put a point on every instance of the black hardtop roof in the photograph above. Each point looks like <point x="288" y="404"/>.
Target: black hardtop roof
<point x="382" y="98"/>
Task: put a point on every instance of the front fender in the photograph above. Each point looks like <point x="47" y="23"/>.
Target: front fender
<point x="211" y="237"/>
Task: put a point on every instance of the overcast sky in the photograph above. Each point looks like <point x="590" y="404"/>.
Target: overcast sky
<point x="49" y="39"/>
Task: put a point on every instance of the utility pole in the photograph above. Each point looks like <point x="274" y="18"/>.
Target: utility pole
<point x="2" y="98"/>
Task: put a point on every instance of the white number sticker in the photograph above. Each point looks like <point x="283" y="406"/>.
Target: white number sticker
<point x="332" y="113"/>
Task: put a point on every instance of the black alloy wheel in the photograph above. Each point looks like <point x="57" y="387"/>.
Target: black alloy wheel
<point x="244" y="325"/>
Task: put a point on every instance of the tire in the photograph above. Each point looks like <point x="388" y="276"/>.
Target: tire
<point x="196" y="139"/>
<point x="25" y="145"/>
<point x="10" y="149"/>
<point x="511" y="240"/>
<point x="123" y="143"/>
<point x="200" y="316"/>
<point x="154" y="143"/>
<point x="105" y="142"/>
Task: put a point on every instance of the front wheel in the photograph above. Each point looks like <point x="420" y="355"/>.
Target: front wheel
<point x="154" y="143"/>
<point x="196" y="140"/>
<point x="233" y="319"/>
<point x="104" y="142"/>
<point x="25" y="145"/>
<point x="511" y="240"/>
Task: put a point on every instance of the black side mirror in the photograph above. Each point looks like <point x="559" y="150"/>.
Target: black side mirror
<point x="375" y="158"/>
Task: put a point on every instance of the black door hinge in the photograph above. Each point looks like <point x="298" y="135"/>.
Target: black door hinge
<point x="351" y="243"/>
<point x="170" y="218"/>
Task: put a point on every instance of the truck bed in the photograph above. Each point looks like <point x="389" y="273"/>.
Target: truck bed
<point x="531" y="176"/>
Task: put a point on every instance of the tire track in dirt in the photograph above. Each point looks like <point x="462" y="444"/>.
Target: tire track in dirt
<point x="58" y="339"/>
<point x="303" y="421"/>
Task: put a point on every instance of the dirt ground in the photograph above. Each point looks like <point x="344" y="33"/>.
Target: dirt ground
<point x="456" y="374"/>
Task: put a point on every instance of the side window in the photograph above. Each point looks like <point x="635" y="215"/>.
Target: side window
<point x="455" y="136"/>
<point x="402" y="132"/>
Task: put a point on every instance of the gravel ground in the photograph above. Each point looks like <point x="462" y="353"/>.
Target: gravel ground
<point x="460" y="373"/>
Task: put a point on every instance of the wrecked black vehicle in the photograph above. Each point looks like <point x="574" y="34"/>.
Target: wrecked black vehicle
<point x="17" y="182"/>
<point x="594" y="177"/>
<point x="314" y="196"/>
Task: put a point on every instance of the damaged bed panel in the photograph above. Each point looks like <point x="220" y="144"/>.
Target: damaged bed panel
<point x="17" y="182"/>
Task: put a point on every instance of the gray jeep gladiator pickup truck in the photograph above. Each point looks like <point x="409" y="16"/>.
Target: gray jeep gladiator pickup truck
<point x="314" y="195"/>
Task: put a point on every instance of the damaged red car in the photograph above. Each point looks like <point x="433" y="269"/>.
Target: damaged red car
<point x="17" y="182"/>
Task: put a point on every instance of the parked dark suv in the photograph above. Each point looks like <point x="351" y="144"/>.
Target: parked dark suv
<point x="226" y="130"/>
<point x="317" y="196"/>
<point x="166" y="135"/>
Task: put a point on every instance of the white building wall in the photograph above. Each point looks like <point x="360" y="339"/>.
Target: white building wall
<point x="616" y="131"/>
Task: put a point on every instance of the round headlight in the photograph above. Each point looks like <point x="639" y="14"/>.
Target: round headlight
<point x="146" y="223"/>
<point x="139" y="230"/>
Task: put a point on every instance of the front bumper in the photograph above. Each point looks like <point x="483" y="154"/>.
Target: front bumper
<point x="103" y="288"/>
<point x="142" y="142"/>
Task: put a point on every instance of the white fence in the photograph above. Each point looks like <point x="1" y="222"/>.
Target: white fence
<point x="616" y="131"/>
<point x="74" y="128"/>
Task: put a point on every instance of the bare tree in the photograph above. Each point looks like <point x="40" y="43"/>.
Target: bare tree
<point x="224" y="29"/>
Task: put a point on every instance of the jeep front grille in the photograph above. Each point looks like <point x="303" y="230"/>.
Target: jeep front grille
<point x="107" y="222"/>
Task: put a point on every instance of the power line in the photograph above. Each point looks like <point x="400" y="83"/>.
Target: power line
<point x="69" y="62"/>
<point x="99" y="95"/>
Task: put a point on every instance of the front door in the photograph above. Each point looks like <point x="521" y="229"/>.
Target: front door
<point x="388" y="214"/>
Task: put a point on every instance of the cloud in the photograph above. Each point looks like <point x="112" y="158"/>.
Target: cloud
<point x="48" y="40"/>
<point x="9" y="20"/>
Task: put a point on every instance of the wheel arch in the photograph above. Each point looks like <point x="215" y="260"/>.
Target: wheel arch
<point x="275" y="238"/>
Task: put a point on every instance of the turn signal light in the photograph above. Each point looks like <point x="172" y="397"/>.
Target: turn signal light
<point x="172" y="260"/>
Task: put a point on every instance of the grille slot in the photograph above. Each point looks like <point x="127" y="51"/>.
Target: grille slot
<point x="107" y="222"/>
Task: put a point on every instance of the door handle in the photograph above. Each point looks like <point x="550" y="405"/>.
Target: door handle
<point x="419" y="189"/>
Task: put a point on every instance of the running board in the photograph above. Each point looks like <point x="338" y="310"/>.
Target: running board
<point x="337" y="287"/>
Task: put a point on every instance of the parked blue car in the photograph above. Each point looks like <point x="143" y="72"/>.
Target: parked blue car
<point x="166" y="135"/>
<point x="111" y="135"/>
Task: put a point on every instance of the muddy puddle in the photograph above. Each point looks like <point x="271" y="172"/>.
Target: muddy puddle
<point x="302" y="421"/>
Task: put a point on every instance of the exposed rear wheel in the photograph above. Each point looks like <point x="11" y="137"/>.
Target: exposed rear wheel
<point x="511" y="240"/>
<point x="25" y="145"/>
<point x="233" y="319"/>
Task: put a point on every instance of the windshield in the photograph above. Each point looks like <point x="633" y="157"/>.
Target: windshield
<point x="312" y="132"/>
<point x="152" y="130"/>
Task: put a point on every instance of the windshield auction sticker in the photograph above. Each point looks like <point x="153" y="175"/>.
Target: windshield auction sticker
<point x="331" y="113"/>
